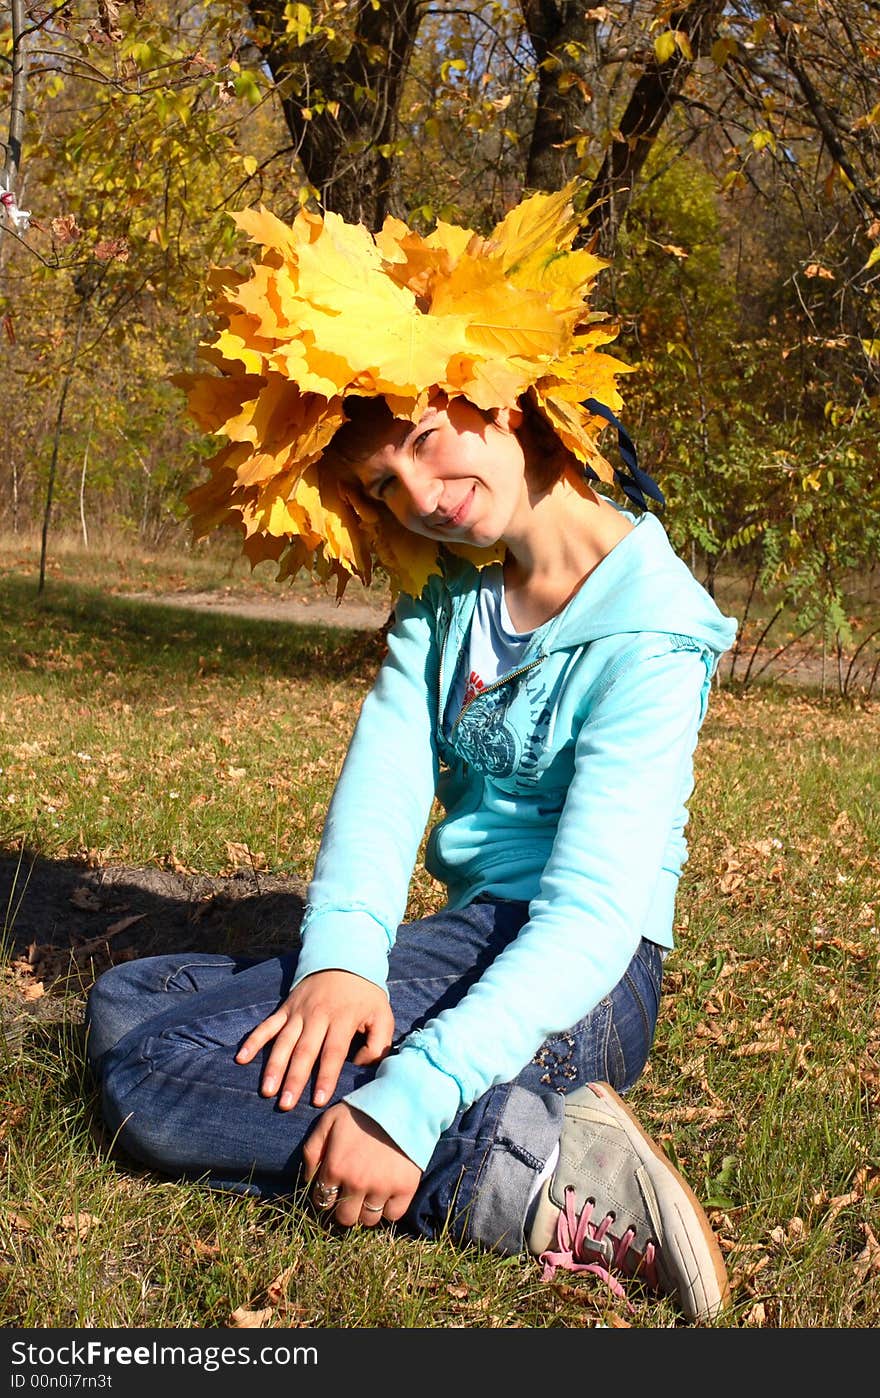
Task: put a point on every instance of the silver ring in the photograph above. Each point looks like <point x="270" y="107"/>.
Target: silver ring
<point x="326" y="1195"/>
<point x="373" y="1208"/>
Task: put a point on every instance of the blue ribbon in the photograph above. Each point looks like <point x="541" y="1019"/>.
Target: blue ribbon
<point x="634" y="482"/>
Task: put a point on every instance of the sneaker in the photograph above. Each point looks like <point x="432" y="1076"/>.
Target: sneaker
<point x="615" y="1204"/>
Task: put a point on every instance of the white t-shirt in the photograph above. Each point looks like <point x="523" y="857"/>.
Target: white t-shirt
<point x="495" y="646"/>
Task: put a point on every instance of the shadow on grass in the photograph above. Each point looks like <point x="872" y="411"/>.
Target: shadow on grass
<point x="69" y="922"/>
<point x="120" y="634"/>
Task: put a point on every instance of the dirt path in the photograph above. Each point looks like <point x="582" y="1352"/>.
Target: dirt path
<point x="799" y="666"/>
<point x="315" y="609"/>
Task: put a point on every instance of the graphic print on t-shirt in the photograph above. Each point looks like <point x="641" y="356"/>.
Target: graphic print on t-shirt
<point x="473" y="687"/>
<point x="482" y="737"/>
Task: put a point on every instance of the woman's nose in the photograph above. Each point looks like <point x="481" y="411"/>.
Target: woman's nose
<point x="424" y="491"/>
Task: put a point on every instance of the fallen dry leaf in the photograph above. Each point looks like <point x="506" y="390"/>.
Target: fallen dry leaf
<point x="35" y="991"/>
<point x="757" y="1315"/>
<point x="20" y="1223"/>
<point x="243" y="1319"/>
<point x="617" y="1322"/>
<point x="86" y="898"/>
<point x="868" y="1259"/>
<point x="176" y="865"/>
<point x="277" y="1290"/>
<point x="124" y="922"/>
<point x="794" y="1232"/>
<point x="206" y="1249"/>
<point x="749" y="1267"/>
<point x="707" y="1114"/>
<point x="243" y="857"/>
<point x="11" y="1118"/>
<point x="840" y="1202"/>
<point x="79" y="1223"/>
<point x="765" y="1046"/>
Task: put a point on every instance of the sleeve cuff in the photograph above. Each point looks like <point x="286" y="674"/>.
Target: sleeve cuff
<point x="344" y="940"/>
<point x="411" y="1100"/>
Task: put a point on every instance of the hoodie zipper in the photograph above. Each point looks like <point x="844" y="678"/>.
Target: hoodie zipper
<point x="496" y="684"/>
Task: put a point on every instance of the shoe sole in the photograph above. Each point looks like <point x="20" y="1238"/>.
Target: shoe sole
<point x="699" y="1256"/>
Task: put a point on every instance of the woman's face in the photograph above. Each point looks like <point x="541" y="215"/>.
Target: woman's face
<point x="452" y="476"/>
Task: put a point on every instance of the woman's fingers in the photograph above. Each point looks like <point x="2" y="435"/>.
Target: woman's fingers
<point x="379" y="1037"/>
<point x="313" y="1149"/>
<point x="333" y="1055"/>
<point x="259" y="1037"/>
<point x="376" y="1180"/>
<point x="293" y="1060"/>
<point x="316" y="1025"/>
<point x="396" y="1207"/>
<point x="371" y="1213"/>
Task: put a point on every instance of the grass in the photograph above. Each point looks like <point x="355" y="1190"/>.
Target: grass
<point x="134" y="736"/>
<point x="119" y="565"/>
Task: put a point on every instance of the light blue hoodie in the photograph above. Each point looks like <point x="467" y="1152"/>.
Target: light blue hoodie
<point x="579" y="808"/>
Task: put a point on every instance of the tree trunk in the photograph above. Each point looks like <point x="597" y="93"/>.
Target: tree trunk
<point x="559" y="35"/>
<point x="16" y="103"/>
<point x="650" y="104"/>
<point x="56" y="441"/>
<point x="343" y="148"/>
<point x="82" y="485"/>
<point x="12" y="162"/>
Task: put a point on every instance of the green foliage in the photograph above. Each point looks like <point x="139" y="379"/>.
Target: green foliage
<point x="761" y="469"/>
<point x="747" y="292"/>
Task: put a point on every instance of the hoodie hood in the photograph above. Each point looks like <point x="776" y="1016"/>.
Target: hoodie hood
<point x="641" y="585"/>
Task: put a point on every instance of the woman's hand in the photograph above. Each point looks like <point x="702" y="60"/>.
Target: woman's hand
<point x="349" y="1150"/>
<point x="316" y="1024"/>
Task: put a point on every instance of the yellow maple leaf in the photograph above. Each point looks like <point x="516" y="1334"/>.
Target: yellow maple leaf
<point x="210" y="504"/>
<point x="214" y="402"/>
<point x="489" y="382"/>
<point x="410" y="260"/>
<point x="262" y="227"/>
<point x="500" y="320"/>
<point x="564" y="280"/>
<point x="539" y="226"/>
<point x="451" y="239"/>
<point x="269" y="298"/>
<point x="230" y="349"/>
<point x="408" y="558"/>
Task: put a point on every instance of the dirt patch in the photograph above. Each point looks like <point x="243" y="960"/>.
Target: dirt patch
<point x="67" y="922"/>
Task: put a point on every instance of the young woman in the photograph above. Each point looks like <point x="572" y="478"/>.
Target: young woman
<point x="463" y="1072"/>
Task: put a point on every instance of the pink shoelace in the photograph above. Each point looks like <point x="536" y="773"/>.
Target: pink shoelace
<point x="573" y="1229"/>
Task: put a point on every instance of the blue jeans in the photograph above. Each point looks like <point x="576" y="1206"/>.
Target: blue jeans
<point x="163" y="1032"/>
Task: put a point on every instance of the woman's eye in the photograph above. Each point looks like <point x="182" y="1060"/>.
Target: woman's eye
<point x="422" y="438"/>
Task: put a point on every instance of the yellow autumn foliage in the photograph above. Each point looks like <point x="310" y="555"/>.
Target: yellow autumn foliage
<point x="329" y="310"/>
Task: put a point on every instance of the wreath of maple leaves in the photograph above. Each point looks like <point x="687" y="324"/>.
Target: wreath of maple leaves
<point x="329" y="309"/>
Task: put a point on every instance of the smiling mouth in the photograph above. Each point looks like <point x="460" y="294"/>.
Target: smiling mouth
<point x="453" y="520"/>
